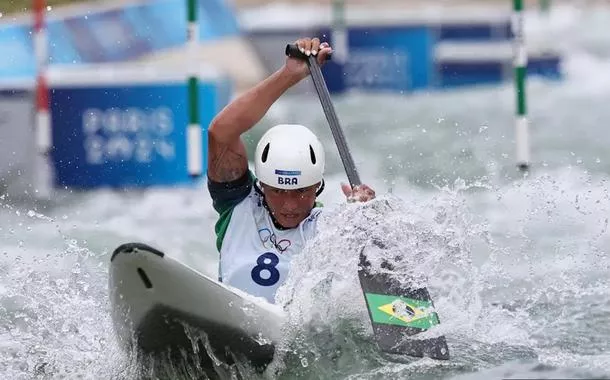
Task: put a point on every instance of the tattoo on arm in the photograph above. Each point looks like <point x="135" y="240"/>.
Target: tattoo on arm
<point x="227" y="162"/>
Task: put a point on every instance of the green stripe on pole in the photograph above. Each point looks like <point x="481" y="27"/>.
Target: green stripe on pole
<point x="193" y="85"/>
<point x="192" y="10"/>
<point x="518" y="5"/>
<point x="520" y="73"/>
<point x="339" y="32"/>
<point x="339" y="13"/>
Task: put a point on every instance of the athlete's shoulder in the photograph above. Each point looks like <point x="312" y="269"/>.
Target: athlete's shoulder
<point x="226" y="195"/>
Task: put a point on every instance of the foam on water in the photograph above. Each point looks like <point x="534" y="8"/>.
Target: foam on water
<point x="516" y="271"/>
<point x="52" y="308"/>
<point x="498" y="300"/>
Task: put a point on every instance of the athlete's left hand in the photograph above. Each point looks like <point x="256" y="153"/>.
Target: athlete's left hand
<point x="361" y="193"/>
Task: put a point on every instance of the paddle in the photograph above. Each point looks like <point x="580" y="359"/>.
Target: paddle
<point x="396" y="311"/>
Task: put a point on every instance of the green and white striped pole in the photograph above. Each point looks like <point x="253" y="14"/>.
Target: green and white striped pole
<point x="339" y="32"/>
<point x="520" y="66"/>
<point x="194" y="134"/>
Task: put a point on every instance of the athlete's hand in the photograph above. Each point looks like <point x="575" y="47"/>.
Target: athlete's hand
<point x="362" y="193"/>
<point x="308" y="46"/>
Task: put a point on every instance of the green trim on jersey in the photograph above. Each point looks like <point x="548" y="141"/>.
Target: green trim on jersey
<point x="225" y="211"/>
<point x="221" y="226"/>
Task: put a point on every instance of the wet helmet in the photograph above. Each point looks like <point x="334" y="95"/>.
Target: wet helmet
<point x="289" y="156"/>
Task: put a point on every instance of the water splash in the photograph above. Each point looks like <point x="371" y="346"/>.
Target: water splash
<point x="42" y="310"/>
<point x="322" y="295"/>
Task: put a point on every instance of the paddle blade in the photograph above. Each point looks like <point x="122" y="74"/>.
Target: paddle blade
<point x="397" y="313"/>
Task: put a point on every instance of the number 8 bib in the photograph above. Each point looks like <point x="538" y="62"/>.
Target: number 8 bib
<point x="266" y="263"/>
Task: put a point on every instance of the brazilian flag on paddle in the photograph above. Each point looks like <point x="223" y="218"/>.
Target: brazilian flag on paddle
<point x="401" y="311"/>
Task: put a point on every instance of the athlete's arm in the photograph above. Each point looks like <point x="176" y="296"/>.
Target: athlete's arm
<point x="227" y="153"/>
<point x="227" y="158"/>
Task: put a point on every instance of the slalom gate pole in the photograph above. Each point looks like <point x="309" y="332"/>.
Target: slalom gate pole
<point x="41" y="52"/>
<point x="194" y="133"/>
<point x="339" y="32"/>
<point x="520" y="68"/>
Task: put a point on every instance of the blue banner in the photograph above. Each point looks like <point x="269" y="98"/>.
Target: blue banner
<point x="126" y="135"/>
<point x="396" y="58"/>
<point x="475" y="31"/>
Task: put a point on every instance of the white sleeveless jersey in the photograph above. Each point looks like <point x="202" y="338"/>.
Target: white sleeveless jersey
<point x="254" y="255"/>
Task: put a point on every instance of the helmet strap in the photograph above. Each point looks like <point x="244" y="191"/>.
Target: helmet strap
<point x="320" y="189"/>
<point x="260" y="192"/>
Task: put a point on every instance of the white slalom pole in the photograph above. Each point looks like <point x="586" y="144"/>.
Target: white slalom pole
<point x="43" y="172"/>
<point x="41" y="51"/>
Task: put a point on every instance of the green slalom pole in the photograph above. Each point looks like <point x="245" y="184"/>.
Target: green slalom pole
<point x="520" y="66"/>
<point x="194" y="141"/>
<point x="339" y="32"/>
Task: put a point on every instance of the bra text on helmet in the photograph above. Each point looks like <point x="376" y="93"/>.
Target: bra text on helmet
<point x="287" y="180"/>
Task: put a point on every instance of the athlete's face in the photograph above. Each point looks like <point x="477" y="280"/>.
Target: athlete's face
<point x="290" y="207"/>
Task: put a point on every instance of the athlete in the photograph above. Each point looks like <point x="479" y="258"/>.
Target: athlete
<point x="266" y="217"/>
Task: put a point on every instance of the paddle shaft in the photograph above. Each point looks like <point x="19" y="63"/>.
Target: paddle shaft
<point x="329" y="111"/>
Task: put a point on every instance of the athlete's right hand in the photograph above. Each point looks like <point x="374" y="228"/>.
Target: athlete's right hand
<point x="308" y="46"/>
<point x="362" y="193"/>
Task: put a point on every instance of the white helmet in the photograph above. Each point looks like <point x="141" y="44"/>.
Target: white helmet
<point x="289" y="156"/>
